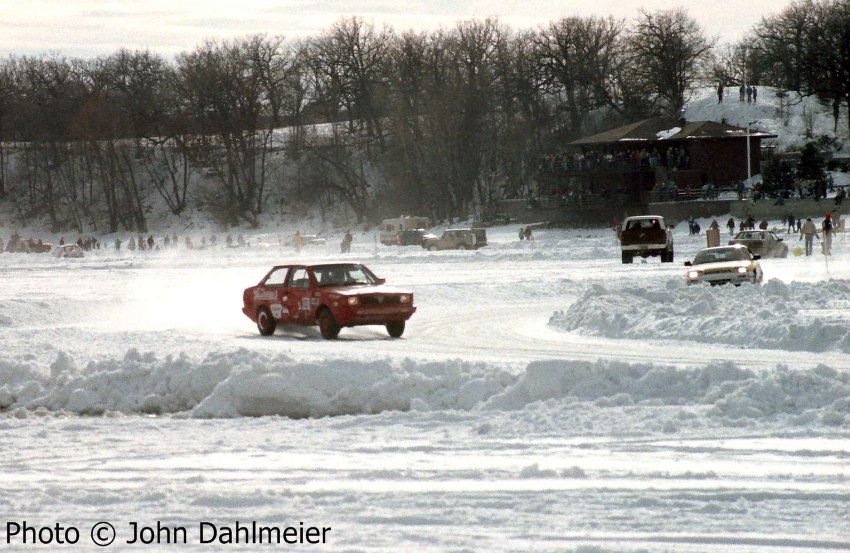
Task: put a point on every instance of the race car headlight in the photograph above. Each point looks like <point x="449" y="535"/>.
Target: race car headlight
<point x="693" y="275"/>
<point x="742" y="270"/>
<point x="354" y="300"/>
<point x="404" y="298"/>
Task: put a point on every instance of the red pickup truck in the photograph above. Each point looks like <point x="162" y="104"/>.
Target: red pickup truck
<point x="645" y="236"/>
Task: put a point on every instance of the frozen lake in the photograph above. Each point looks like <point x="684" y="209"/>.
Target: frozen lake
<point x="544" y="397"/>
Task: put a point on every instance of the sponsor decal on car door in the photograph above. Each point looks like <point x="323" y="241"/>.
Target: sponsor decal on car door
<point x="298" y="294"/>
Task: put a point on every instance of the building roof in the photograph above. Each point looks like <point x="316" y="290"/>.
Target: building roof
<point x="667" y="128"/>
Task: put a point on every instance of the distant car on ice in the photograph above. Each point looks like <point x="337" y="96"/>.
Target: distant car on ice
<point x="456" y="239"/>
<point x="330" y="295"/>
<point x="412" y="237"/>
<point x="68" y="250"/>
<point x="764" y="243"/>
<point x="723" y="264"/>
<point x="314" y="240"/>
<point x="391" y="229"/>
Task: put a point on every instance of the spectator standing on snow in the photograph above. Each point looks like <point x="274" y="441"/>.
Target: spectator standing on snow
<point x="299" y="241"/>
<point x="791" y="222"/>
<point x="730" y="224"/>
<point x="827" y="228"/>
<point x="345" y="245"/>
<point x="809" y="231"/>
<point x="521" y="233"/>
<point x="720" y="93"/>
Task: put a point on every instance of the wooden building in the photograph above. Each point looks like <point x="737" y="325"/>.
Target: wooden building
<point x="658" y="159"/>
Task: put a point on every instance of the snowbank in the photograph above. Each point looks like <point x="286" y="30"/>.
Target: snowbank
<point x="799" y="316"/>
<point x="243" y="383"/>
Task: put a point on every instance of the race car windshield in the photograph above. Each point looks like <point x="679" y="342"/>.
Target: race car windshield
<point x="720" y="255"/>
<point x="344" y="275"/>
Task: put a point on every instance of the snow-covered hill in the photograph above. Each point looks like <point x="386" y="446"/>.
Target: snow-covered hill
<point x="795" y="119"/>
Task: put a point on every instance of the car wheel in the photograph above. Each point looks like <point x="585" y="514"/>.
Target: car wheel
<point x="627" y="257"/>
<point x="328" y="326"/>
<point x="668" y="257"/>
<point x="265" y="322"/>
<point x="432" y="248"/>
<point x="395" y="329"/>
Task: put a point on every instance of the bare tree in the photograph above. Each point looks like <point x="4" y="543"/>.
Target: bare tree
<point x="827" y="71"/>
<point x="669" y="52"/>
<point x="779" y="47"/>
<point x="8" y="97"/>
<point x="225" y="88"/>
<point x="405" y="162"/>
<point x="52" y="93"/>
<point x="579" y="58"/>
<point x="349" y="67"/>
<point x="461" y="95"/>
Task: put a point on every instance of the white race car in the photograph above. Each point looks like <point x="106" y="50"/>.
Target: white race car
<point x="724" y="264"/>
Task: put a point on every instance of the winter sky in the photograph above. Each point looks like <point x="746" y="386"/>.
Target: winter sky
<point x="92" y="28"/>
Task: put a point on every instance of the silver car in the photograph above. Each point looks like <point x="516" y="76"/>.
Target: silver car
<point x="722" y="264"/>
<point x="764" y="243"/>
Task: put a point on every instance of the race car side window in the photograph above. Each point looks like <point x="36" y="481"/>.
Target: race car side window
<point x="277" y="277"/>
<point x="298" y="278"/>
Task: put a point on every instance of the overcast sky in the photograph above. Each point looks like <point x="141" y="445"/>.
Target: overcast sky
<point x="91" y="28"/>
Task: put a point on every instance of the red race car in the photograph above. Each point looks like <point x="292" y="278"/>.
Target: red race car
<point x="330" y="295"/>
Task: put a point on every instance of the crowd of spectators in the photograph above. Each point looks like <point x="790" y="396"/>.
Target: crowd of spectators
<point x="671" y="158"/>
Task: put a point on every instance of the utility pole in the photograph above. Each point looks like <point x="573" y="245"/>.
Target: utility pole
<point x="749" y="163"/>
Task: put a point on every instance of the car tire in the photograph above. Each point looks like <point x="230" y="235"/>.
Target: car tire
<point x="432" y="248"/>
<point x="627" y="257"/>
<point x="668" y="257"/>
<point x="328" y="325"/>
<point x="395" y="329"/>
<point x="265" y="322"/>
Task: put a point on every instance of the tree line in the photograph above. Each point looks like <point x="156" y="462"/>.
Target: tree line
<point x="364" y="122"/>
